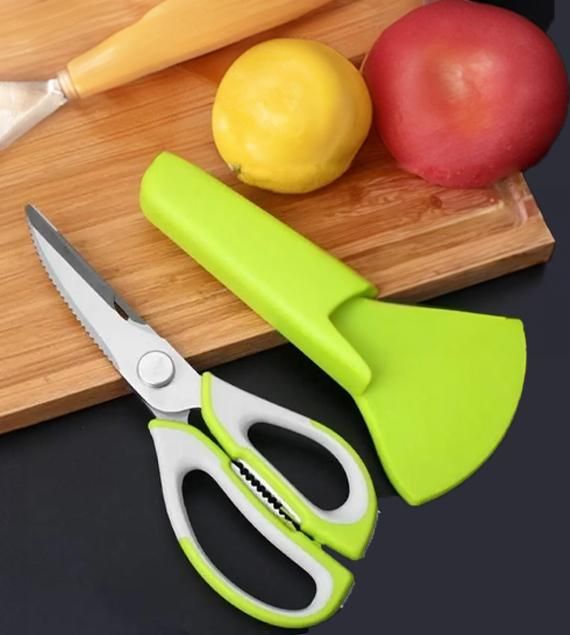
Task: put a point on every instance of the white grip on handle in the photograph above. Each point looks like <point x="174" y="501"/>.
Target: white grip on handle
<point x="238" y="410"/>
<point x="181" y="449"/>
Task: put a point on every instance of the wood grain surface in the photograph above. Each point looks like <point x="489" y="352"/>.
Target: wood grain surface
<point x="83" y="166"/>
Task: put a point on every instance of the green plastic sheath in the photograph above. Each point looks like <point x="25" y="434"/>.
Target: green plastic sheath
<point x="438" y="389"/>
<point x="342" y="578"/>
<point x="283" y="277"/>
<point x="351" y="540"/>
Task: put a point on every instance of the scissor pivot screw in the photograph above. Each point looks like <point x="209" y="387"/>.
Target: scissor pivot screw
<point x="155" y="369"/>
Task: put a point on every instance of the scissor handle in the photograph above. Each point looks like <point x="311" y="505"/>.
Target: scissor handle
<point x="229" y="413"/>
<point x="181" y="449"/>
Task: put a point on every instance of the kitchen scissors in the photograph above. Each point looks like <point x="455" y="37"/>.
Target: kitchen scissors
<point x="170" y="388"/>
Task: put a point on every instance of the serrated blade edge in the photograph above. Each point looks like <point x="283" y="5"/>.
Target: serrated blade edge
<point x="121" y="334"/>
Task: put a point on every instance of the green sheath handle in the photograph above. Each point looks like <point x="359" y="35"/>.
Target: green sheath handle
<point x="282" y="276"/>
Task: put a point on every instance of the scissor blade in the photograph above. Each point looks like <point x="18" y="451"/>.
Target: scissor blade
<point x="122" y="335"/>
<point x="55" y="253"/>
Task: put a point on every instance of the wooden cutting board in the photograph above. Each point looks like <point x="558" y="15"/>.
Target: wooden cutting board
<point x="82" y="167"/>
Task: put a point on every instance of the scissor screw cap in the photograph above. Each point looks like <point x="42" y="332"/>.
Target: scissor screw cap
<point x="155" y="369"/>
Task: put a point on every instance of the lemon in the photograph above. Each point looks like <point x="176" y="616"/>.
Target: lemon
<point x="290" y="114"/>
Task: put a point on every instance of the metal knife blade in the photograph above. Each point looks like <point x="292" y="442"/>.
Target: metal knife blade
<point x="123" y="336"/>
<point x="24" y="104"/>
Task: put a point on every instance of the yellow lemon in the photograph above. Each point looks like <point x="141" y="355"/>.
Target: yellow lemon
<point x="290" y="115"/>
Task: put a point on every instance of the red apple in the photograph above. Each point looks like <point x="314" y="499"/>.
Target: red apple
<point x="466" y="93"/>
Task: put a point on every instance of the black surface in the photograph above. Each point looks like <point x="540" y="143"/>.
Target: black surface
<point x="85" y="546"/>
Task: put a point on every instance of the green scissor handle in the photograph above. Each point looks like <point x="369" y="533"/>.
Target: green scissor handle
<point x="182" y="448"/>
<point x="230" y="412"/>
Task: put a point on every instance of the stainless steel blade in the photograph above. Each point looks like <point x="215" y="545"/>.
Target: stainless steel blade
<point x="24" y="104"/>
<point x="155" y="370"/>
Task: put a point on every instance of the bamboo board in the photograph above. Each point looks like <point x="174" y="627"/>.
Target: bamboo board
<point x="83" y="166"/>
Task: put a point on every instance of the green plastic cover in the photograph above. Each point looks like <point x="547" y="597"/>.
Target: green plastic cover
<point x="438" y="389"/>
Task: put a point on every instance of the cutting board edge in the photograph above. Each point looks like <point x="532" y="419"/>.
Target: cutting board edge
<point x="537" y="247"/>
<point x="539" y="254"/>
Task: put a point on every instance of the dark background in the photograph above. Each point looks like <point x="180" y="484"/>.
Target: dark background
<point x="85" y="545"/>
